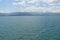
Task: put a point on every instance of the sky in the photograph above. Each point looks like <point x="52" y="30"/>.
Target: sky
<point x="7" y="6"/>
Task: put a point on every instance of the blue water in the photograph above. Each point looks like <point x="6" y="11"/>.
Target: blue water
<point x="29" y="28"/>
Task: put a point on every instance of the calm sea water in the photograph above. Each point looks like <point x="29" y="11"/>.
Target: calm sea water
<point x="30" y="28"/>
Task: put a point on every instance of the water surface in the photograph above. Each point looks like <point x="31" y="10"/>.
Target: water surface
<point x="30" y="28"/>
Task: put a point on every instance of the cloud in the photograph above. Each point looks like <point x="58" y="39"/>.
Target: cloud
<point x="36" y="2"/>
<point x="33" y="1"/>
<point x="38" y="5"/>
<point x="35" y="9"/>
<point x="56" y="2"/>
<point x="4" y="11"/>
<point x="55" y="9"/>
<point x="40" y="9"/>
<point x="19" y="3"/>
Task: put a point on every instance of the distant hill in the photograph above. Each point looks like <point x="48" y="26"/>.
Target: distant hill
<point x="20" y="14"/>
<point x="2" y="14"/>
<point x="29" y="14"/>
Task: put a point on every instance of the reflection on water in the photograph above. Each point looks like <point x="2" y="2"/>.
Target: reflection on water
<point x="30" y="28"/>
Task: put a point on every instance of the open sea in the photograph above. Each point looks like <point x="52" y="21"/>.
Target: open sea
<point x="29" y="27"/>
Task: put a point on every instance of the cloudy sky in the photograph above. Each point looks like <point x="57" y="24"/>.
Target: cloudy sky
<point x="29" y="6"/>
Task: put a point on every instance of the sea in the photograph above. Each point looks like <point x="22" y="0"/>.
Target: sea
<point x="29" y="27"/>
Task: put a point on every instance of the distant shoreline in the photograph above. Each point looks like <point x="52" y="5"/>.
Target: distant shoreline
<point x="29" y="14"/>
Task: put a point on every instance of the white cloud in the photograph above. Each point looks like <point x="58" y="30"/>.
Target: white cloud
<point x="19" y="2"/>
<point x="34" y="8"/>
<point x="25" y="2"/>
<point x="4" y="11"/>
<point x="40" y="9"/>
<point x="55" y="9"/>
<point x="1" y="11"/>
<point x="55" y="2"/>
<point x="33" y="1"/>
<point x="50" y="1"/>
